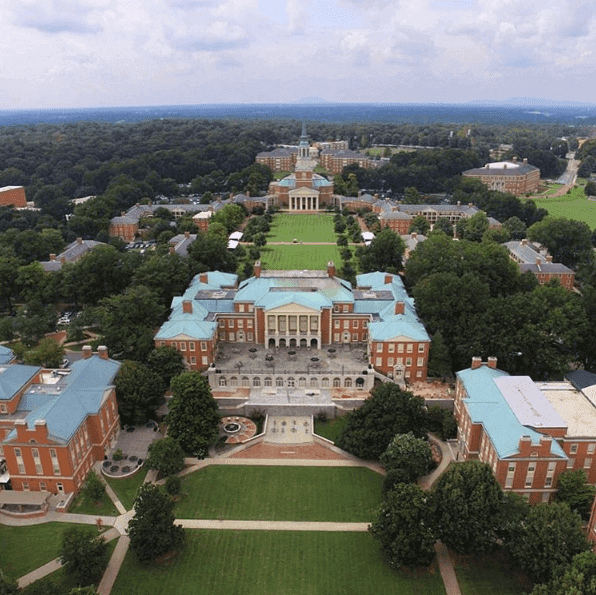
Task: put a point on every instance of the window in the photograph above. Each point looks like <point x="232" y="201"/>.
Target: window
<point x="379" y="347"/>
<point x="182" y="346"/>
<point x="279" y="382"/>
<point x="545" y="496"/>
<point x="271" y="323"/>
<point x="314" y="382"/>
<point x="203" y="346"/>
<point x="267" y="381"/>
<point x="256" y="381"/>
<point x="336" y="324"/>
<point x="408" y="362"/>
<point x="587" y="463"/>
<point x="302" y="382"/>
<point x="223" y="381"/>
<point x="390" y="361"/>
<point x="249" y="337"/>
<point x="379" y="361"/>
<point x="191" y="346"/>
<point x="240" y="307"/>
<point x="336" y="337"/>
<point x="250" y="307"/>
<point x="3" y="408"/>
<point x="233" y="381"/>
<point x="590" y="449"/>
<point x="293" y="323"/>
<point x="241" y="324"/>
<point x="348" y="383"/>
<point x="530" y="475"/>
<point x="204" y="360"/>
<point x="355" y="324"/>
<point x="400" y="347"/>
<point x="420" y="362"/>
<point x="570" y="463"/>
<point x="222" y="336"/>
<point x="193" y="360"/>
<point x="231" y="336"/>
<point x="346" y="324"/>
<point x="510" y="474"/>
<point x="42" y="486"/>
<point x="420" y="347"/>
<point x="230" y="323"/>
<point x="336" y="383"/>
<point x="391" y="347"/>
<point x="245" y="381"/>
<point x="281" y="324"/>
<point x="249" y="323"/>
<point x="365" y="324"/>
<point x="419" y="374"/>
<point x="174" y="345"/>
<point x="314" y="324"/>
<point x="25" y="486"/>
<point x="325" y="383"/>
<point x="573" y="449"/>
<point x="410" y="347"/>
<point x="291" y="382"/>
<point x="222" y="323"/>
<point x="346" y="308"/>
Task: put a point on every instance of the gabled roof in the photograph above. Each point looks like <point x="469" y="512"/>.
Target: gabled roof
<point x="13" y="378"/>
<point x="488" y="406"/>
<point x="6" y="355"/>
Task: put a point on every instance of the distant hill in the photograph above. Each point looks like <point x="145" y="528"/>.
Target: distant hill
<point x="528" y="102"/>
<point x="311" y="100"/>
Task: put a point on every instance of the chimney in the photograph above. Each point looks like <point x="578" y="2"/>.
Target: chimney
<point x="388" y="279"/>
<point x="459" y="203"/>
<point x="52" y="257"/>
<point x="172" y="250"/>
<point x="504" y="166"/>
<point x="414" y="235"/>
<point x="514" y="160"/>
<point x="79" y="240"/>
<point x="470" y="204"/>
<point x="549" y="258"/>
<point x="203" y="278"/>
<point x="87" y="353"/>
<point x="331" y="269"/>
<point x="63" y="259"/>
<point x="538" y="261"/>
<point x="524" y="242"/>
<point x="476" y="363"/>
<point x="492" y="362"/>
<point x="400" y="307"/>
<point x="247" y="193"/>
<point x="187" y="234"/>
<point x="102" y="351"/>
<point x="122" y="213"/>
<point x="187" y="307"/>
<point x="257" y="269"/>
<point x="525" y="161"/>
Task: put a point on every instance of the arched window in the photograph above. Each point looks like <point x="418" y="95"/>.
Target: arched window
<point x="223" y="381"/>
<point x="348" y="383"/>
<point x="245" y="381"/>
<point x="256" y="381"/>
<point x="325" y="383"/>
<point x="233" y="381"/>
<point x="267" y="381"/>
<point x="302" y="382"/>
<point x="359" y="382"/>
<point x="279" y="382"/>
<point x="336" y="382"/>
<point x="291" y="382"/>
<point x="314" y="382"/>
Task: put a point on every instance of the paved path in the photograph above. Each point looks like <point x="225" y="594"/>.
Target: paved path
<point x="427" y="481"/>
<point x="270" y="525"/>
<point x="446" y="569"/>
<point x="111" y="573"/>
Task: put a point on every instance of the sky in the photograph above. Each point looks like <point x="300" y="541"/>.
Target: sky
<point x="94" y="53"/>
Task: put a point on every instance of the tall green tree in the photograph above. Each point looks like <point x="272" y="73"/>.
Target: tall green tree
<point x="167" y="362"/>
<point x="573" y="489"/>
<point x="139" y="391"/>
<point x="547" y="540"/>
<point x="193" y="419"/>
<point x="578" y="579"/>
<point x="403" y="526"/>
<point x="409" y="456"/>
<point x="384" y="253"/>
<point x="387" y="412"/>
<point x="152" y="530"/>
<point x="166" y="456"/>
<point x="83" y="555"/>
<point x="467" y="501"/>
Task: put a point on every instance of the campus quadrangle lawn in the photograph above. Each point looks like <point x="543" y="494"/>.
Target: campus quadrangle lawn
<point x="23" y="549"/>
<point x="489" y="576"/>
<point x="338" y="494"/>
<point x="126" y="489"/>
<point x="573" y="206"/>
<point x="274" y="562"/>
<point x="290" y="257"/>
<point x="304" y="228"/>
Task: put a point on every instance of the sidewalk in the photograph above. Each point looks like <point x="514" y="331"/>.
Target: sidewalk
<point x="270" y="525"/>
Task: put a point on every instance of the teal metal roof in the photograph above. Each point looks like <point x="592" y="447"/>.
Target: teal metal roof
<point x="197" y="329"/>
<point x="397" y="326"/>
<point x="308" y="300"/>
<point x="6" y="355"/>
<point x="487" y="406"/>
<point x="13" y="378"/>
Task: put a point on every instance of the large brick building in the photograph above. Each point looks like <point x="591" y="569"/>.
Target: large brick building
<point x="507" y="176"/>
<point x="528" y="432"/>
<point x="303" y="310"/>
<point x="13" y="196"/>
<point x="54" y="427"/>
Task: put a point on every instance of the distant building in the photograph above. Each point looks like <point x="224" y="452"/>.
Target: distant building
<point x="507" y="176"/>
<point x="13" y="196"/>
<point x="530" y="257"/>
<point x="334" y="161"/>
<point x="72" y="253"/>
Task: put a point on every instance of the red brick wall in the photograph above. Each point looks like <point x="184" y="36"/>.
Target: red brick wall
<point x="13" y="196"/>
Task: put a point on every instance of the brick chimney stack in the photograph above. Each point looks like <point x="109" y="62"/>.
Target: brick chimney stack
<point x="476" y="363"/>
<point x="102" y="351"/>
<point x="87" y="352"/>
<point x="331" y="269"/>
<point x="79" y="240"/>
<point x="187" y="307"/>
<point x="203" y="278"/>
<point x="52" y="257"/>
<point x="492" y="362"/>
<point x="257" y="269"/>
<point x="388" y="279"/>
<point x="400" y="307"/>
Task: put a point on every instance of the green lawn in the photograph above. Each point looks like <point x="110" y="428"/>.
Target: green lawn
<point x="298" y="257"/>
<point x="489" y="576"/>
<point x="126" y="489"/>
<point x="23" y="549"/>
<point x="573" y="206"/>
<point x="274" y="562"/>
<point x="81" y="506"/>
<point x="304" y="228"/>
<point x="336" y="494"/>
<point x="330" y="429"/>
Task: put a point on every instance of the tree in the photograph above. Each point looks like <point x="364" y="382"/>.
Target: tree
<point x="152" y="531"/>
<point x="139" y="392"/>
<point x="419" y="225"/>
<point x="516" y="228"/>
<point x="93" y="488"/>
<point x="567" y="240"/>
<point x="404" y="527"/>
<point x="8" y="587"/>
<point x="387" y="412"/>
<point x="83" y="555"/>
<point x="473" y="229"/>
<point x="573" y="489"/>
<point x="167" y="362"/>
<point x="210" y="253"/>
<point x="439" y="362"/>
<point x="128" y="322"/>
<point x="165" y="455"/>
<point x="48" y="353"/>
<point x="578" y="579"/>
<point x="194" y="418"/>
<point x="590" y="188"/>
<point x="409" y="455"/>
<point x="467" y="501"/>
<point x="442" y="224"/>
<point x="547" y="540"/>
<point x="384" y="253"/>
